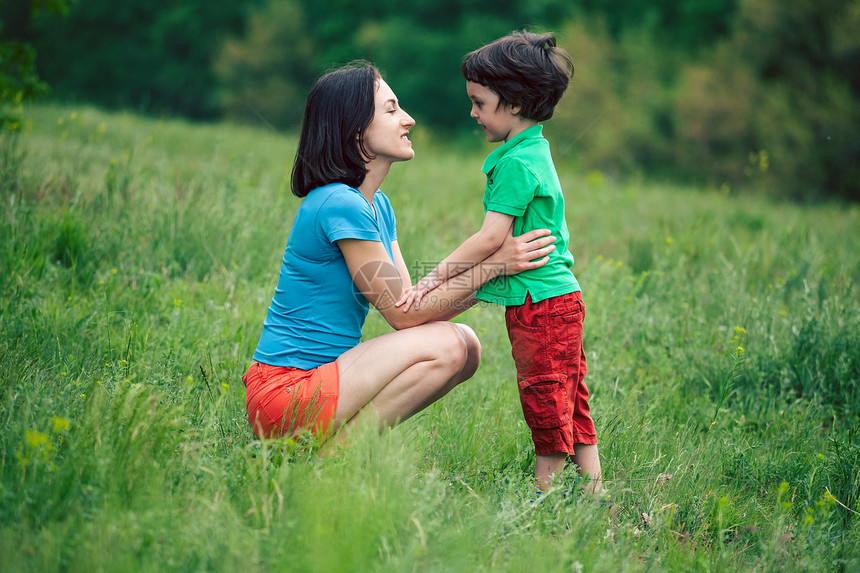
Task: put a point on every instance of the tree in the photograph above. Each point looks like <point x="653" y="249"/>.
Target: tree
<point x="266" y="75"/>
<point x="19" y="80"/>
<point x="149" y="56"/>
<point x="776" y="103"/>
<point x="417" y="47"/>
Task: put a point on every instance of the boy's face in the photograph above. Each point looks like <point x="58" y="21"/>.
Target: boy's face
<point x="499" y="122"/>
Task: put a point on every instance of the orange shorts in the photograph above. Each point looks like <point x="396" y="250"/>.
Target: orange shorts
<point x="282" y="401"/>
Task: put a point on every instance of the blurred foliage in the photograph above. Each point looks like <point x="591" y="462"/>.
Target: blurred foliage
<point x="773" y="105"/>
<point x="684" y="24"/>
<point x="735" y="94"/>
<point x="149" y="56"/>
<point x="265" y="76"/>
<point x="19" y="80"/>
<point x="290" y="42"/>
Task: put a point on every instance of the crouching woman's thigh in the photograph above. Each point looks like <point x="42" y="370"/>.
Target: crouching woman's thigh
<point x="409" y="367"/>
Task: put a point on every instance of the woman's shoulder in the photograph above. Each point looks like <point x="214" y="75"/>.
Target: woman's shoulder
<point x="381" y="197"/>
<point x="325" y="192"/>
<point x="334" y="196"/>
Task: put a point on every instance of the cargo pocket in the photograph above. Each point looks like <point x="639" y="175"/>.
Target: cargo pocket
<point x="544" y="401"/>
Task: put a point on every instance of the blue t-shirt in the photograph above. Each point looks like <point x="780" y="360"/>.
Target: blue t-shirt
<point x="317" y="313"/>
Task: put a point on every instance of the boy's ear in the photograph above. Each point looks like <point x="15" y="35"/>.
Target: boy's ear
<point x="514" y="109"/>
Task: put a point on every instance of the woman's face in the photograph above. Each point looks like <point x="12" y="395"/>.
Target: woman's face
<point x="387" y="136"/>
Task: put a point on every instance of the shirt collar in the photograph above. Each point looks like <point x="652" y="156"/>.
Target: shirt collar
<point x="492" y="160"/>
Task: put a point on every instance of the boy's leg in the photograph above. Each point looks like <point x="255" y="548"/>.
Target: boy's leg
<point x="547" y="348"/>
<point x="547" y="467"/>
<point x="587" y="461"/>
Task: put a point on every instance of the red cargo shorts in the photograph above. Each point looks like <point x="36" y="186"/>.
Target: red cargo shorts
<point x="282" y="401"/>
<point x="546" y="343"/>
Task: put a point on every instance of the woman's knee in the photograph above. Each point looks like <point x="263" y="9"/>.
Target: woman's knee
<point x="469" y="337"/>
<point x="449" y="345"/>
<point x="454" y="347"/>
<point x="471" y="346"/>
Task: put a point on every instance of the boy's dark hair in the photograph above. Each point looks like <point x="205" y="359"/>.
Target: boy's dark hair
<point x="524" y="69"/>
<point x="331" y="147"/>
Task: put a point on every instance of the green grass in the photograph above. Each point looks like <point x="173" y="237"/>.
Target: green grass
<point x="137" y="259"/>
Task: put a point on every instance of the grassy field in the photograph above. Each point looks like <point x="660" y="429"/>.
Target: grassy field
<point x="137" y="260"/>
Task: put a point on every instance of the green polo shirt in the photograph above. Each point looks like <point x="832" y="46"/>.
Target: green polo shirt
<point x="522" y="181"/>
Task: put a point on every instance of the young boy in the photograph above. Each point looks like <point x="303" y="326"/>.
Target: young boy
<point x="514" y="84"/>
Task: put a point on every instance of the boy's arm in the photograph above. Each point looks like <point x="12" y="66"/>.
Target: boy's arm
<point x="475" y="249"/>
<point x="495" y="228"/>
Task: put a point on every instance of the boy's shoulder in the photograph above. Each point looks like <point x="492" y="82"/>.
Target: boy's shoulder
<point x="532" y="153"/>
<point x="528" y="148"/>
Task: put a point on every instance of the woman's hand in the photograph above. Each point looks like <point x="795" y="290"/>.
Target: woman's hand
<point x="527" y="251"/>
<point x="411" y="297"/>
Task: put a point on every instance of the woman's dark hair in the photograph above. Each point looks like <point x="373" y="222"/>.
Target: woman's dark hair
<point x="524" y="69"/>
<point x="331" y="147"/>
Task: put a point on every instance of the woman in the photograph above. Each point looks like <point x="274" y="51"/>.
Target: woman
<point x="309" y="369"/>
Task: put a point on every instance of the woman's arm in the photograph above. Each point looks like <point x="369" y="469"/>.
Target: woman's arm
<point x="400" y="265"/>
<point x="381" y="283"/>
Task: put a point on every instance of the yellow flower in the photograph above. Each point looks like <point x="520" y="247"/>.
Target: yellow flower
<point x="36" y="439"/>
<point x="60" y="424"/>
